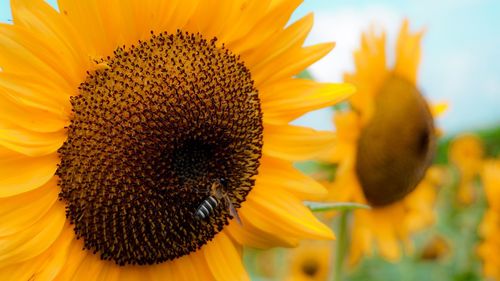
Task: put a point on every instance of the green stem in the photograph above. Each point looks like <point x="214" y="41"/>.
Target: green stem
<point x="341" y="248"/>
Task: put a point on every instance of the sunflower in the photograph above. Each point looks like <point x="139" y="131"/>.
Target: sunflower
<point x="386" y="141"/>
<point x="309" y="262"/>
<point x="466" y="153"/>
<point x="133" y="132"/>
<point x="490" y="225"/>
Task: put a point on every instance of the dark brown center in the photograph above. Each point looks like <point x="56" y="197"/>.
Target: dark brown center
<point x="397" y="145"/>
<point x="310" y="267"/>
<point x="149" y="135"/>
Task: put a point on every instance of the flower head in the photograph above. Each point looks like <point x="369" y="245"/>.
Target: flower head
<point x="386" y="144"/>
<point x="490" y="225"/>
<point x="466" y="153"/>
<point x="123" y="121"/>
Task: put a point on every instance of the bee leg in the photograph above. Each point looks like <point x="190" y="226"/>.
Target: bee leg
<point x="233" y="212"/>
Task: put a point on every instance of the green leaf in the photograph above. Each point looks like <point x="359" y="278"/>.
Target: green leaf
<point x="337" y="206"/>
<point x="305" y="75"/>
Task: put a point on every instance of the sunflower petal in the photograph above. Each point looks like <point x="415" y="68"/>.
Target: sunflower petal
<point x="212" y="15"/>
<point x="292" y="37"/>
<point x="19" y="173"/>
<point x="23" y="52"/>
<point x="278" y="211"/>
<point x="76" y="255"/>
<point x="223" y="259"/>
<point x="296" y="143"/>
<point x="35" y="90"/>
<point x="408" y="53"/>
<point x="92" y="32"/>
<point x="290" y="63"/>
<point x="439" y="109"/>
<point x="252" y="236"/>
<point x="29" y="117"/>
<point x="287" y="101"/>
<point x="279" y="173"/>
<point x="30" y="143"/>
<point x="268" y="26"/>
<point x="34" y="240"/>
<point x="192" y="267"/>
<point x="19" y="212"/>
<point x="43" y="267"/>
<point x="91" y="265"/>
<point x="250" y="13"/>
<point x="40" y="18"/>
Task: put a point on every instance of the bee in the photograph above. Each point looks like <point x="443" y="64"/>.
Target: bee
<point x="218" y="194"/>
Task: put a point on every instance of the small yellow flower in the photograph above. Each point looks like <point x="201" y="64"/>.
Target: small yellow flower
<point x="490" y="226"/>
<point x="466" y="153"/>
<point x="386" y="142"/>
<point x="131" y="132"/>
<point x="309" y="262"/>
<point x="436" y="248"/>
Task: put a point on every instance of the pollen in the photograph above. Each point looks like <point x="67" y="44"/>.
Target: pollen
<point x="151" y="129"/>
<point x="397" y="145"/>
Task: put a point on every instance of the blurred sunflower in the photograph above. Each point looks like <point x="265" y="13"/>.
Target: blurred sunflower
<point x="490" y="226"/>
<point x="386" y="142"/>
<point x="466" y="153"/>
<point x="118" y="118"/>
<point x="309" y="262"/>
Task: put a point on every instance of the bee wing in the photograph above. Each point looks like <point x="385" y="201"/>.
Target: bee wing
<point x="233" y="211"/>
<point x="202" y="190"/>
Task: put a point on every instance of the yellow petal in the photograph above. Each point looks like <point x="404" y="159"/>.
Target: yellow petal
<point x="249" y="234"/>
<point x="266" y="27"/>
<point x="25" y="52"/>
<point x="439" y="109"/>
<point x="109" y="273"/>
<point x="33" y="89"/>
<point x="40" y="18"/>
<point x="19" y="212"/>
<point x="85" y="17"/>
<point x="491" y="182"/>
<point x="178" y="14"/>
<point x="29" y="117"/>
<point x="296" y="143"/>
<point x="28" y="142"/>
<point x="275" y="172"/>
<point x="292" y="37"/>
<point x="74" y="259"/>
<point x="408" y="53"/>
<point x="126" y="22"/>
<point x="19" y="173"/>
<point x="290" y="64"/>
<point x="224" y="260"/>
<point x="278" y="211"/>
<point x="33" y="240"/>
<point x="92" y="265"/>
<point x="43" y="267"/>
<point x="283" y="106"/>
<point x="251" y="12"/>
<point x="192" y="267"/>
<point x="211" y="17"/>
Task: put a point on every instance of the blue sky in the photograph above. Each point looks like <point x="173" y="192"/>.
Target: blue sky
<point x="461" y="51"/>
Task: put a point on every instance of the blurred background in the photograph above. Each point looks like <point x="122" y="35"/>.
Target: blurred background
<point x="460" y="66"/>
<point x="460" y="50"/>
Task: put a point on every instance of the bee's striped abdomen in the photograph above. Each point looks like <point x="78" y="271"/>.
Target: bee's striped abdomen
<point x="206" y="207"/>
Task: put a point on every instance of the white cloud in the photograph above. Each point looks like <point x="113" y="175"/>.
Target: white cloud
<point x="344" y="26"/>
